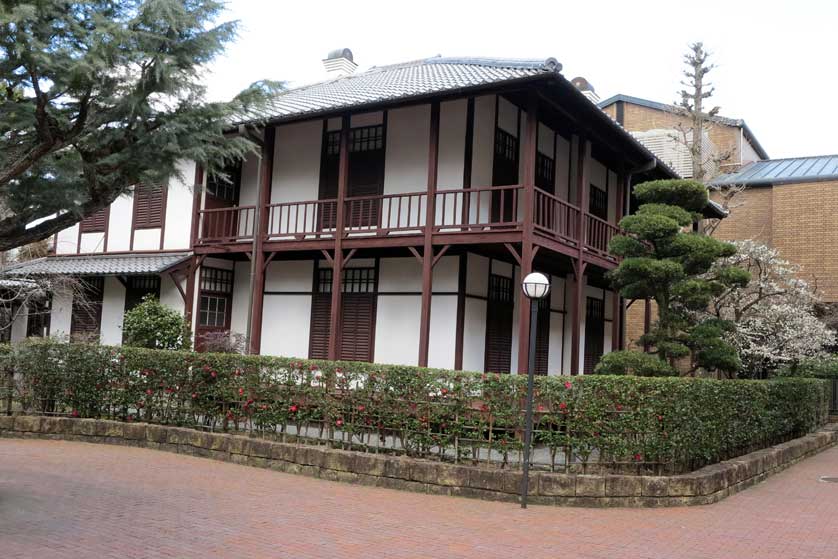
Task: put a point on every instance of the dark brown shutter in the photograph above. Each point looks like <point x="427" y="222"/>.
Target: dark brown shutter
<point x="95" y="223"/>
<point x="358" y="319"/>
<point x="87" y="314"/>
<point x="594" y="333"/>
<point x="499" y="313"/>
<point x="148" y="206"/>
<point x="321" y="308"/>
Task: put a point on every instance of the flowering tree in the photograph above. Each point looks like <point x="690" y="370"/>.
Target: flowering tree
<point x="774" y="313"/>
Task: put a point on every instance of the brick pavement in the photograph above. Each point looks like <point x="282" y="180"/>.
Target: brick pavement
<point x="64" y="499"/>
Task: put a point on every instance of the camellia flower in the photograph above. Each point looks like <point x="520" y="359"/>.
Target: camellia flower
<point x="361" y="407"/>
<point x="638" y="457"/>
<point x="339" y="422"/>
<point x="562" y="406"/>
<point x="149" y="391"/>
<point x="194" y="395"/>
<point x="241" y="391"/>
<point x="619" y="407"/>
<point x="293" y="408"/>
<point x="74" y="413"/>
<point x="213" y="374"/>
<point x="568" y="385"/>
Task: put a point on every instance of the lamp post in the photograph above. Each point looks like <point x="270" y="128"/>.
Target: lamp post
<point x="536" y="286"/>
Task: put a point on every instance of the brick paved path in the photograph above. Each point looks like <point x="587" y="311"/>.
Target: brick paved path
<point x="63" y="499"/>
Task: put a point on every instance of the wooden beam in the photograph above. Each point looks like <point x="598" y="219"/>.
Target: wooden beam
<point x="415" y="253"/>
<point x="513" y="252"/>
<point x="530" y="150"/>
<point x="268" y="259"/>
<point x="347" y="258"/>
<point x="459" y="338"/>
<point x="582" y="195"/>
<point x="440" y="254"/>
<point x="327" y="256"/>
<point x="337" y="263"/>
<point x="176" y="281"/>
<point x="257" y="276"/>
<point x="428" y="259"/>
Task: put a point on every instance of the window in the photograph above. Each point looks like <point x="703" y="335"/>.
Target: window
<point x="216" y="298"/>
<point x="358" y="304"/>
<point x="499" y="314"/>
<point x="87" y="309"/>
<point x="138" y="287"/>
<point x="226" y="187"/>
<point x="545" y="173"/>
<point x="594" y="333"/>
<point x="38" y="318"/>
<point x="598" y="205"/>
<point x="95" y="223"/>
<point x="148" y="206"/>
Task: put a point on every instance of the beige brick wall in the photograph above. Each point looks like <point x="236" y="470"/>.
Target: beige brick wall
<point x="805" y="231"/>
<point x="751" y="213"/>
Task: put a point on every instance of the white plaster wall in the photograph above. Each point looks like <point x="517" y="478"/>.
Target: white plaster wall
<point x="574" y="169"/>
<point x="249" y="180"/>
<point x="446" y="274"/>
<point x="62" y="309"/>
<point x="484" y="141"/>
<point x="169" y="294"/>
<point x="67" y="241"/>
<point x="452" y="144"/>
<point x="241" y="298"/>
<point x="286" y="324"/>
<point x="397" y="329"/>
<point x="516" y="310"/>
<point x="474" y="334"/>
<point x="19" y="324"/>
<point x="442" y="342"/>
<point x="147" y="239"/>
<point x="289" y="275"/>
<point x="92" y="242"/>
<point x="555" y="365"/>
<point x="508" y="116"/>
<point x="119" y="223"/>
<point x="296" y="170"/>
<point x="406" y="163"/>
<point x="545" y="140"/>
<point x="613" y="191"/>
<point x="400" y="275"/>
<point x="363" y="119"/>
<point x="113" y="312"/>
<point x="179" y="207"/>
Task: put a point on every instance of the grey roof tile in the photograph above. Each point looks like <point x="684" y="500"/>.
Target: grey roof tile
<point x="97" y="265"/>
<point x="396" y="82"/>
<point x="782" y="171"/>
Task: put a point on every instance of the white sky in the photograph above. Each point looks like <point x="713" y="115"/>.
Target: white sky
<point x="776" y="60"/>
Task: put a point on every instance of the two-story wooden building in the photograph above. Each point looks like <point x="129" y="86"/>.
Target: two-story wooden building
<point x="387" y="216"/>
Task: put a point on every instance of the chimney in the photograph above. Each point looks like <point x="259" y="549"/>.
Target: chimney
<point x="339" y="63"/>
<point x="586" y="88"/>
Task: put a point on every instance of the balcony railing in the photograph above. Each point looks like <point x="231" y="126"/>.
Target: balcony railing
<point x="226" y="225"/>
<point x="470" y="210"/>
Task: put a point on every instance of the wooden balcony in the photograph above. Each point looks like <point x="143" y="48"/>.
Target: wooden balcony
<point x="461" y="216"/>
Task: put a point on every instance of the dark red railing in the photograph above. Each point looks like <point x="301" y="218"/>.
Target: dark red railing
<point x="298" y="220"/>
<point x="385" y="214"/>
<point x="555" y="217"/>
<point x="226" y="225"/>
<point x="478" y="209"/>
<point x="598" y="233"/>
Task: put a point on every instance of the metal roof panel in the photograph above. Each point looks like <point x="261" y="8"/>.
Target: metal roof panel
<point x="98" y="265"/>
<point x="783" y="171"/>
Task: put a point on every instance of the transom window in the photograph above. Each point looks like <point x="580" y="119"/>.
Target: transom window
<point x="545" y="172"/>
<point x="226" y="187"/>
<point x="506" y="145"/>
<point x="364" y="138"/>
<point x="217" y="280"/>
<point x="355" y="280"/>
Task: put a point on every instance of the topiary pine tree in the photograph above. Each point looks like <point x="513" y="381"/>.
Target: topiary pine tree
<point x="97" y="96"/>
<point x="665" y="261"/>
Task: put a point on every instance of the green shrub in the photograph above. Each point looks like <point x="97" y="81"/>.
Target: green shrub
<point x="661" y="424"/>
<point x="634" y="363"/>
<point x="814" y="367"/>
<point x="155" y="326"/>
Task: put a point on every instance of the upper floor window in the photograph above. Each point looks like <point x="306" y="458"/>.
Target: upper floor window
<point x="598" y="205"/>
<point x="227" y="184"/>
<point x="148" y="206"/>
<point x="95" y="223"/>
<point x="545" y="172"/>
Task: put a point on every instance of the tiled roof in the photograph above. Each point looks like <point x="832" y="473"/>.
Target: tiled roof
<point x="397" y="82"/>
<point x="784" y="171"/>
<point x="98" y="265"/>
<point x="738" y="122"/>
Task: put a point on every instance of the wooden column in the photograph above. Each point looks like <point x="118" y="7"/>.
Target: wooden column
<point x="337" y="260"/>
<point x="257" y="277"/>
<point x="527" y="202"/>
<point x="197" y="189"/>
<point x="189" y="297"/>
<point x="428" y="250"/>
<point x="617" y="301"/>
<point x="582" y="195"/>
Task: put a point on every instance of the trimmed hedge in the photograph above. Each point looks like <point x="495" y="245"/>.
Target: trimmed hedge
<point x="814" y="367"/>
<point x="637" y="424"/>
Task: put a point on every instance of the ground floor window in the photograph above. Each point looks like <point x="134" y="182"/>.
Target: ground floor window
<point x="138" y="287"/>
<point x="594" y="333"/>
<point x="358" y="305"/>
<point x="86" y="317"/>
<point x="499" y="313"/>
<point x="214" y="304"/>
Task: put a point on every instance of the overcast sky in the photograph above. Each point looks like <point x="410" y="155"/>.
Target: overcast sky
<point x="776" y="60"/>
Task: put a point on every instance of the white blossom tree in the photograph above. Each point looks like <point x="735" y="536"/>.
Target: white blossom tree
<point x="774" y="313"/>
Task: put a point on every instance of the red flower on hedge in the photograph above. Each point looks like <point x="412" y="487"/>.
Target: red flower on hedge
<point x="194" y="395"/>
<point x="241" y="391"/>
<point x="568" y="385"/>
<point x="213" y="374"/>
<point x="660" y="418"/>
<point x="149" y="391"/>
<point x="638" y="457"/>
<point x="361" y="407"/>
<point x="74" y="413"/>
<point x="339" y="422"/>
<point x="293" y="409"/>
<point x="563" y="407"/>
<point x="619" y="407"/>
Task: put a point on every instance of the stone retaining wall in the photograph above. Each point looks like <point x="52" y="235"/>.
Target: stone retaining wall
<point x="707" y="485"/>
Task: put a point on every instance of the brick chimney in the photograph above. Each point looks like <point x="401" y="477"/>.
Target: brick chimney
<point x="339" y="63"/>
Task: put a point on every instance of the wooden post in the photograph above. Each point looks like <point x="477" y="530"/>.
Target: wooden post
<point x="582" y="195"/>
<point x="193" y="240"/>
<point x="257" y="277"/>
<point x="337" y="260"/>
<point x="617" y="301"/>
<point x="528" y="191"/>
<point x="428" y="251"/>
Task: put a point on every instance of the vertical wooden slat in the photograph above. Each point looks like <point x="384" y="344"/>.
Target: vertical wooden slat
<point x="428" y="251"/>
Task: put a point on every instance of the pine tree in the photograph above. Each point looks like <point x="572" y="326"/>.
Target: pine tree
<point x="665" y="261"/>
<point x="99" y="95"/>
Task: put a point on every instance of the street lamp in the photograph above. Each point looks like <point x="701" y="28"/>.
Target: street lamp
<point x="536" y="286"/>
